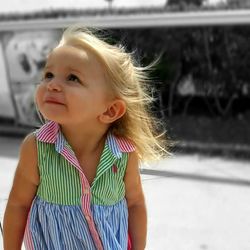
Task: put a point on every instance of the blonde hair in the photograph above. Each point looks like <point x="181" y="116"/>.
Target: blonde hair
<point x="130" y="83"/>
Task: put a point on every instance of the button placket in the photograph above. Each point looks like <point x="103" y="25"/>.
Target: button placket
<point x="85" y="199"/>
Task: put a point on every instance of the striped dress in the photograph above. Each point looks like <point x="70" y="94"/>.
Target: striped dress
<point x="68" y="213"/>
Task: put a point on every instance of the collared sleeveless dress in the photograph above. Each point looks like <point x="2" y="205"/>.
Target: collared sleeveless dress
<point x="67" y="213"/>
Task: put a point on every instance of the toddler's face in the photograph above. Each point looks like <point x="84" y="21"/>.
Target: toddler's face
<point x="73" y="87"/>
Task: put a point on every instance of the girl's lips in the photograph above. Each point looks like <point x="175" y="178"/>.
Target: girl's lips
<point x="53" y="101"/>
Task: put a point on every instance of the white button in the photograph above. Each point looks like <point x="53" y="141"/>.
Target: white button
<point x="86" y="191"/>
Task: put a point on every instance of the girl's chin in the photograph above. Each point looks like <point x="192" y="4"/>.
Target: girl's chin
<point x="54" y="118"/>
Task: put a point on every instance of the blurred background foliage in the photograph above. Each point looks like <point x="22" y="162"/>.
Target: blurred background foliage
<point x="202" y="79"/>
<point x="207" y="62"/>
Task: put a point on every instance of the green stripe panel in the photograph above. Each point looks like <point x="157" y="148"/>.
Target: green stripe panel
<point x="60" y="181"/>
<point x="109" y="187"/>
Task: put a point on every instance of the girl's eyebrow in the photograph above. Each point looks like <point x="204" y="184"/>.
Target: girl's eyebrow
<point x="75" y="70"/>
<point x="68" y="68"/>
<point x="46" y="67"/>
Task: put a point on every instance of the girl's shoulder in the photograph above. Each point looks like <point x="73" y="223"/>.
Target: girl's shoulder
<point x="27" y="163"/>
<point x="29" y="144"/>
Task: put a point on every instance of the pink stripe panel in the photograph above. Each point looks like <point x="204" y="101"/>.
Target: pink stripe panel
<point x="48" y="132"/>
<point x="87" y="212"/>
<point x="27" y="236"/>
<point x="71" y="158"/>
<point x="125" y="145"/>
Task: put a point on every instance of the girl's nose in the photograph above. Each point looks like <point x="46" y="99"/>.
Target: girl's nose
<point x="54" y="85"/>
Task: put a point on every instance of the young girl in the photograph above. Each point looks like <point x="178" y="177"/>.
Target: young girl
<point x="77" y="183"/>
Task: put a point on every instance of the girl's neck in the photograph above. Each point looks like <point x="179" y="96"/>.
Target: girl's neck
<point x="84" y="141"/>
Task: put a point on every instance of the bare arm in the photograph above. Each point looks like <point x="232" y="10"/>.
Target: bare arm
<point x="136" y="204"/>
<point x="21" y="196"/>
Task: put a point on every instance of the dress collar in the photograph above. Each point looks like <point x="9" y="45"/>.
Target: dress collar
<point x="51" y="133"/>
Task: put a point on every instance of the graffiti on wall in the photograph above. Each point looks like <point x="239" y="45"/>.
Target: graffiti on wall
<point x="26" y="53"/>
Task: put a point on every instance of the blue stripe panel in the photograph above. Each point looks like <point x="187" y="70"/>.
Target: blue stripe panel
<point x="112" y="225"/>
<point x="57" y="227"/>
<point x="111" y="141"/>
<point x="60" y="141"/>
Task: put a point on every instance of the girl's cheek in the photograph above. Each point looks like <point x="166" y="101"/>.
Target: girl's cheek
<point x="39" y="94"/>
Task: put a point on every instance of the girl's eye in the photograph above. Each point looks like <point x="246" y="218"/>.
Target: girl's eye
<point x="73" y="78"/>
<point x="48" y="75"/>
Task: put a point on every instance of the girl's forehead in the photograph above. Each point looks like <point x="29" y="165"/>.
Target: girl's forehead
<point x="68" y="53"/>
<point x="71" y="57"/>
<point x="68" y="58"/>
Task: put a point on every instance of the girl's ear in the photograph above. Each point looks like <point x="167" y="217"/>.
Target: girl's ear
<point x="114" y="111"/>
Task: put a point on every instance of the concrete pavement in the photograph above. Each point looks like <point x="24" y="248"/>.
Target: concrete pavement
<point x="194" y="202"/>
<point x="198" y="203"/>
